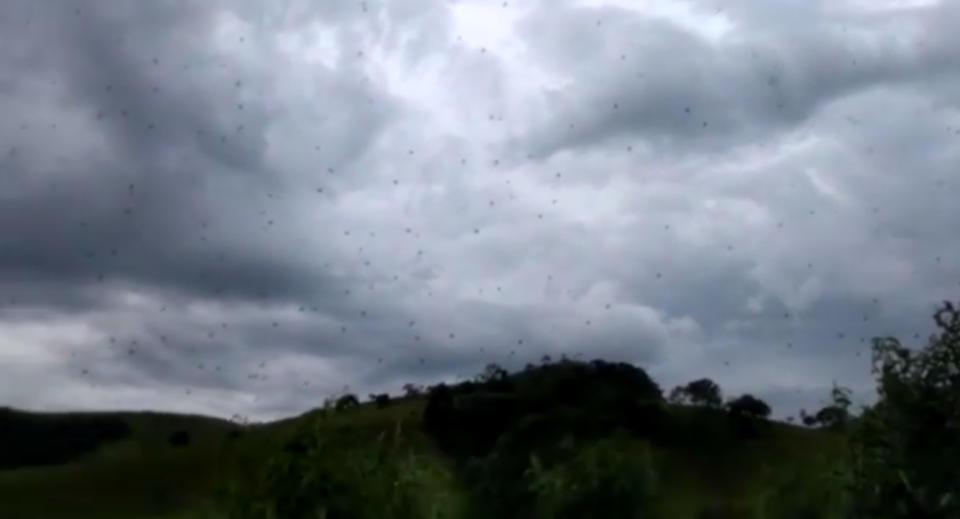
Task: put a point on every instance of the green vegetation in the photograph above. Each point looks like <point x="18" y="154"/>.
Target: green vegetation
<point x="556" y="440"/>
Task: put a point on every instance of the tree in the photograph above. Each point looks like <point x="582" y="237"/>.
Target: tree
<point x="748" y="406"/>
<point x="492" y="373"/>
<point x="835" y="415"/>
<point x="807" y="419"/>
<point x="906" y="446"/>
<point x="678" y="395"/>
<point x="704" y="392"/>
<point x="412" y="390"/>
<point x="347" y="401"/>
<point x="748" y="413"/>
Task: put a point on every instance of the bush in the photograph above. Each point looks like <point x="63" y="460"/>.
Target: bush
<point x="906" y="447"/>
<point x="334" y="474"/>
<point x="612" y="478"/>
<point x="702" y="391"/>
<point x="748" y="406"/>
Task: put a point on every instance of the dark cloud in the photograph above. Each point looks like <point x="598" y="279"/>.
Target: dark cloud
<point x="246" y="209"/>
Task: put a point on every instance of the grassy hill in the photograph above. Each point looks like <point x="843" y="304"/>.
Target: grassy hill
<point x="143" y="475"/>
<point x="704" y="468"/>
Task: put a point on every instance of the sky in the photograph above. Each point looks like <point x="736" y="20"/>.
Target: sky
<point x="243" y="208"/>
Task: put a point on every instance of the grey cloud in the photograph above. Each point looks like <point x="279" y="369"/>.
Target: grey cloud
<point x="676" y="91"/>
<point x="268" y="201"/>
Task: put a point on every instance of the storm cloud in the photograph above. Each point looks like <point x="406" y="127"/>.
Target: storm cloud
<point x="244" y="209"/>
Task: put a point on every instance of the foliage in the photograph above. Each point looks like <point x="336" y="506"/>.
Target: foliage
<point x="835" y="415"/>
<point x="348" y="401"/>
<point x="703" y="391"/>
<point x="612" y="478"/>
<point x="327" y="472"/>
<point x="412" y="390"/>
<point x="469" y="418"/>
<point x="907" y="446"/>
<point x="748" y="406"/>
<point x="492" y="373"/>
<point x="748" y="413"/>
<point x="808" y="419"/>
<point x="552" y="412"/>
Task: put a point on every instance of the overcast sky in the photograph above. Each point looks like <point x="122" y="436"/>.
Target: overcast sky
<point x="247" y="207"/>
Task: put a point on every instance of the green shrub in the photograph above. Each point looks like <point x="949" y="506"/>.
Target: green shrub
<point x="906" y="446"/>
<point x="612" y="478"/>
<point x="333" y="473"/>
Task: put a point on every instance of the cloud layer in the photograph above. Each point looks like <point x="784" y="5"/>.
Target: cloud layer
<point x="226" y="209"/>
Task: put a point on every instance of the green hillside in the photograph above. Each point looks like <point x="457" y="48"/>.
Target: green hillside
<point x="141" y="475"/>
<point x="144" y="476"/>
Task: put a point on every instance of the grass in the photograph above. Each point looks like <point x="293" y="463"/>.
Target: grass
<point x="144" y="477"/>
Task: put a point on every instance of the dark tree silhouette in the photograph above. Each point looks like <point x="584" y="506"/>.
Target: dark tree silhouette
<point x="492" y="373"/>
<point x="808" y="419"/>
<point x="835" y="415"/>
<point x="702" y="391"/>
<point x="412" y="390"/>
<point x="348" y="401"/>
<point x="748" y="406"/>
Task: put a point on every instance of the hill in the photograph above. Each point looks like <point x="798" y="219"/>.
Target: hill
<point x="154" y="465"/>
